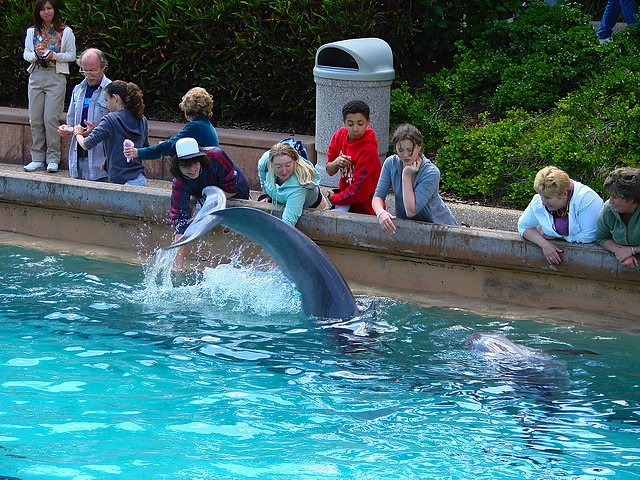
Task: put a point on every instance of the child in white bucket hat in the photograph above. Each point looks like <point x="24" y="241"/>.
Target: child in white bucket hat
<point x="195" y="169"/>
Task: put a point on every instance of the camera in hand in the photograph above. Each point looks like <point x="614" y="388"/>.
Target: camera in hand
<point x="41" y="61"/>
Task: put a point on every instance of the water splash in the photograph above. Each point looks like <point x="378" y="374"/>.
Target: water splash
<point x="239" y="283"/>
<point x="157" y="278"/>
<point x="157" y="273"/>
<point x="263" y="292"/>
<point x="235" y="283"/>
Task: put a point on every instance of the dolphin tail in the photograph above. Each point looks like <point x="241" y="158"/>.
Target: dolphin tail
<point x="206" y="219"/>
<point x="324" y="291"/>
<point x="204" y="226"/>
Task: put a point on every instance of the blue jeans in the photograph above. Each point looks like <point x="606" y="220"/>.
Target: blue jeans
<point x="141" y="181"/>
<point x="612" y="13"/>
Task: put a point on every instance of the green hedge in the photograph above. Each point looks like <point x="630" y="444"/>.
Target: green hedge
<point x="537" y="91"/>
<point x="255" y="56"/>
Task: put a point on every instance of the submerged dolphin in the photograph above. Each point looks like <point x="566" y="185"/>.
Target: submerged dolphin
<point x="526" y="370"/>
<point x="497" y="344"/>
<point x="529" y="370"/>
<point x="324" y="291"/>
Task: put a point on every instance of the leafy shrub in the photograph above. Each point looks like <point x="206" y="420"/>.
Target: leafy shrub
<point x="528" y="63"/>
<point x="255" y="56"/>
<point x="589" y="133"/>
<point x="429" y="29"/>
<point x="484" y="161"/>
<point x="512" y="107"/>
<point x="424" y="114"/>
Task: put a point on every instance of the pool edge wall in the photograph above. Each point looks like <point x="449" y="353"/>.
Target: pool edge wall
<point x="476" y="263"/>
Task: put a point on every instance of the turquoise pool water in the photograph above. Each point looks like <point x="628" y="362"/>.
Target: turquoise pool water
<point x="221" y="377"/>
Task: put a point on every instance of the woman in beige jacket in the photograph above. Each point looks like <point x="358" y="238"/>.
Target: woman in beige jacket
<point x="49" y="47"/>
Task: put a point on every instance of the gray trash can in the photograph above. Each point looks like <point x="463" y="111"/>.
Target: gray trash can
<point x="356" y="69"/>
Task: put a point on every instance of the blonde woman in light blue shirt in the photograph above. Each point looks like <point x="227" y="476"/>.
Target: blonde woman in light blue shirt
<point x="290" y="180"/>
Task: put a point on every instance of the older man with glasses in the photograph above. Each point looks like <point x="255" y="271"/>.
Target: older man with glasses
<point x="87" y="107"/>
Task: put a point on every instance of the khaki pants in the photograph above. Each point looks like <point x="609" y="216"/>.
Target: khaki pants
<point x="46" y="102"/>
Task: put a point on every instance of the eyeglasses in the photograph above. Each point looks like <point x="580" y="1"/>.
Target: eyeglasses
<point x="88" y="72"/>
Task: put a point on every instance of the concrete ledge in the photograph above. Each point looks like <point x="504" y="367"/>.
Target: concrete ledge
<point x="243" y="146"/>
<point x="52" y="191"/>
<point x="495" y="266"/>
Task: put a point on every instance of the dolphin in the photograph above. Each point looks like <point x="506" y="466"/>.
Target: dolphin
<point x="526" y="370"/>
<point x="324" y="292"/>
<point x="496" y="344"/>
<point x="530" y="370"/>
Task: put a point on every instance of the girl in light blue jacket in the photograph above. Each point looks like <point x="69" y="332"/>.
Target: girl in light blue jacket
<point x="290" y="180"/>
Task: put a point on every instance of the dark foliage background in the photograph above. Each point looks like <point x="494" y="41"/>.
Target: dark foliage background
<point x="496" y="100"/>
<point x="255" y="56"/>
<point x="538" y="90"/>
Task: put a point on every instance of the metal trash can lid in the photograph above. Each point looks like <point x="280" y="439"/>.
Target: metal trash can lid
<point x="359" y="59"/>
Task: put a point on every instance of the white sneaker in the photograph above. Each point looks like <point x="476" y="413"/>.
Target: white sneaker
<point x="33" y="166"/>
<point x="52" y="167"/>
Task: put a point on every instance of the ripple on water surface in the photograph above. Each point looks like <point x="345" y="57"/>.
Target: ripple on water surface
<point x="219" y="375"/>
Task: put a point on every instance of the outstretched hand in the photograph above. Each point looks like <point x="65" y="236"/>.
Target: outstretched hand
<point x="65" y="130"/>
<point x="130" y="152"/>
<point x="385" y="219"/>
<point x="90" y="127"/>
<point x="552" y="253"/>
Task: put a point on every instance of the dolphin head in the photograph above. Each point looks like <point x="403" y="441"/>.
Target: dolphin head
<point x="495" y="344"/>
